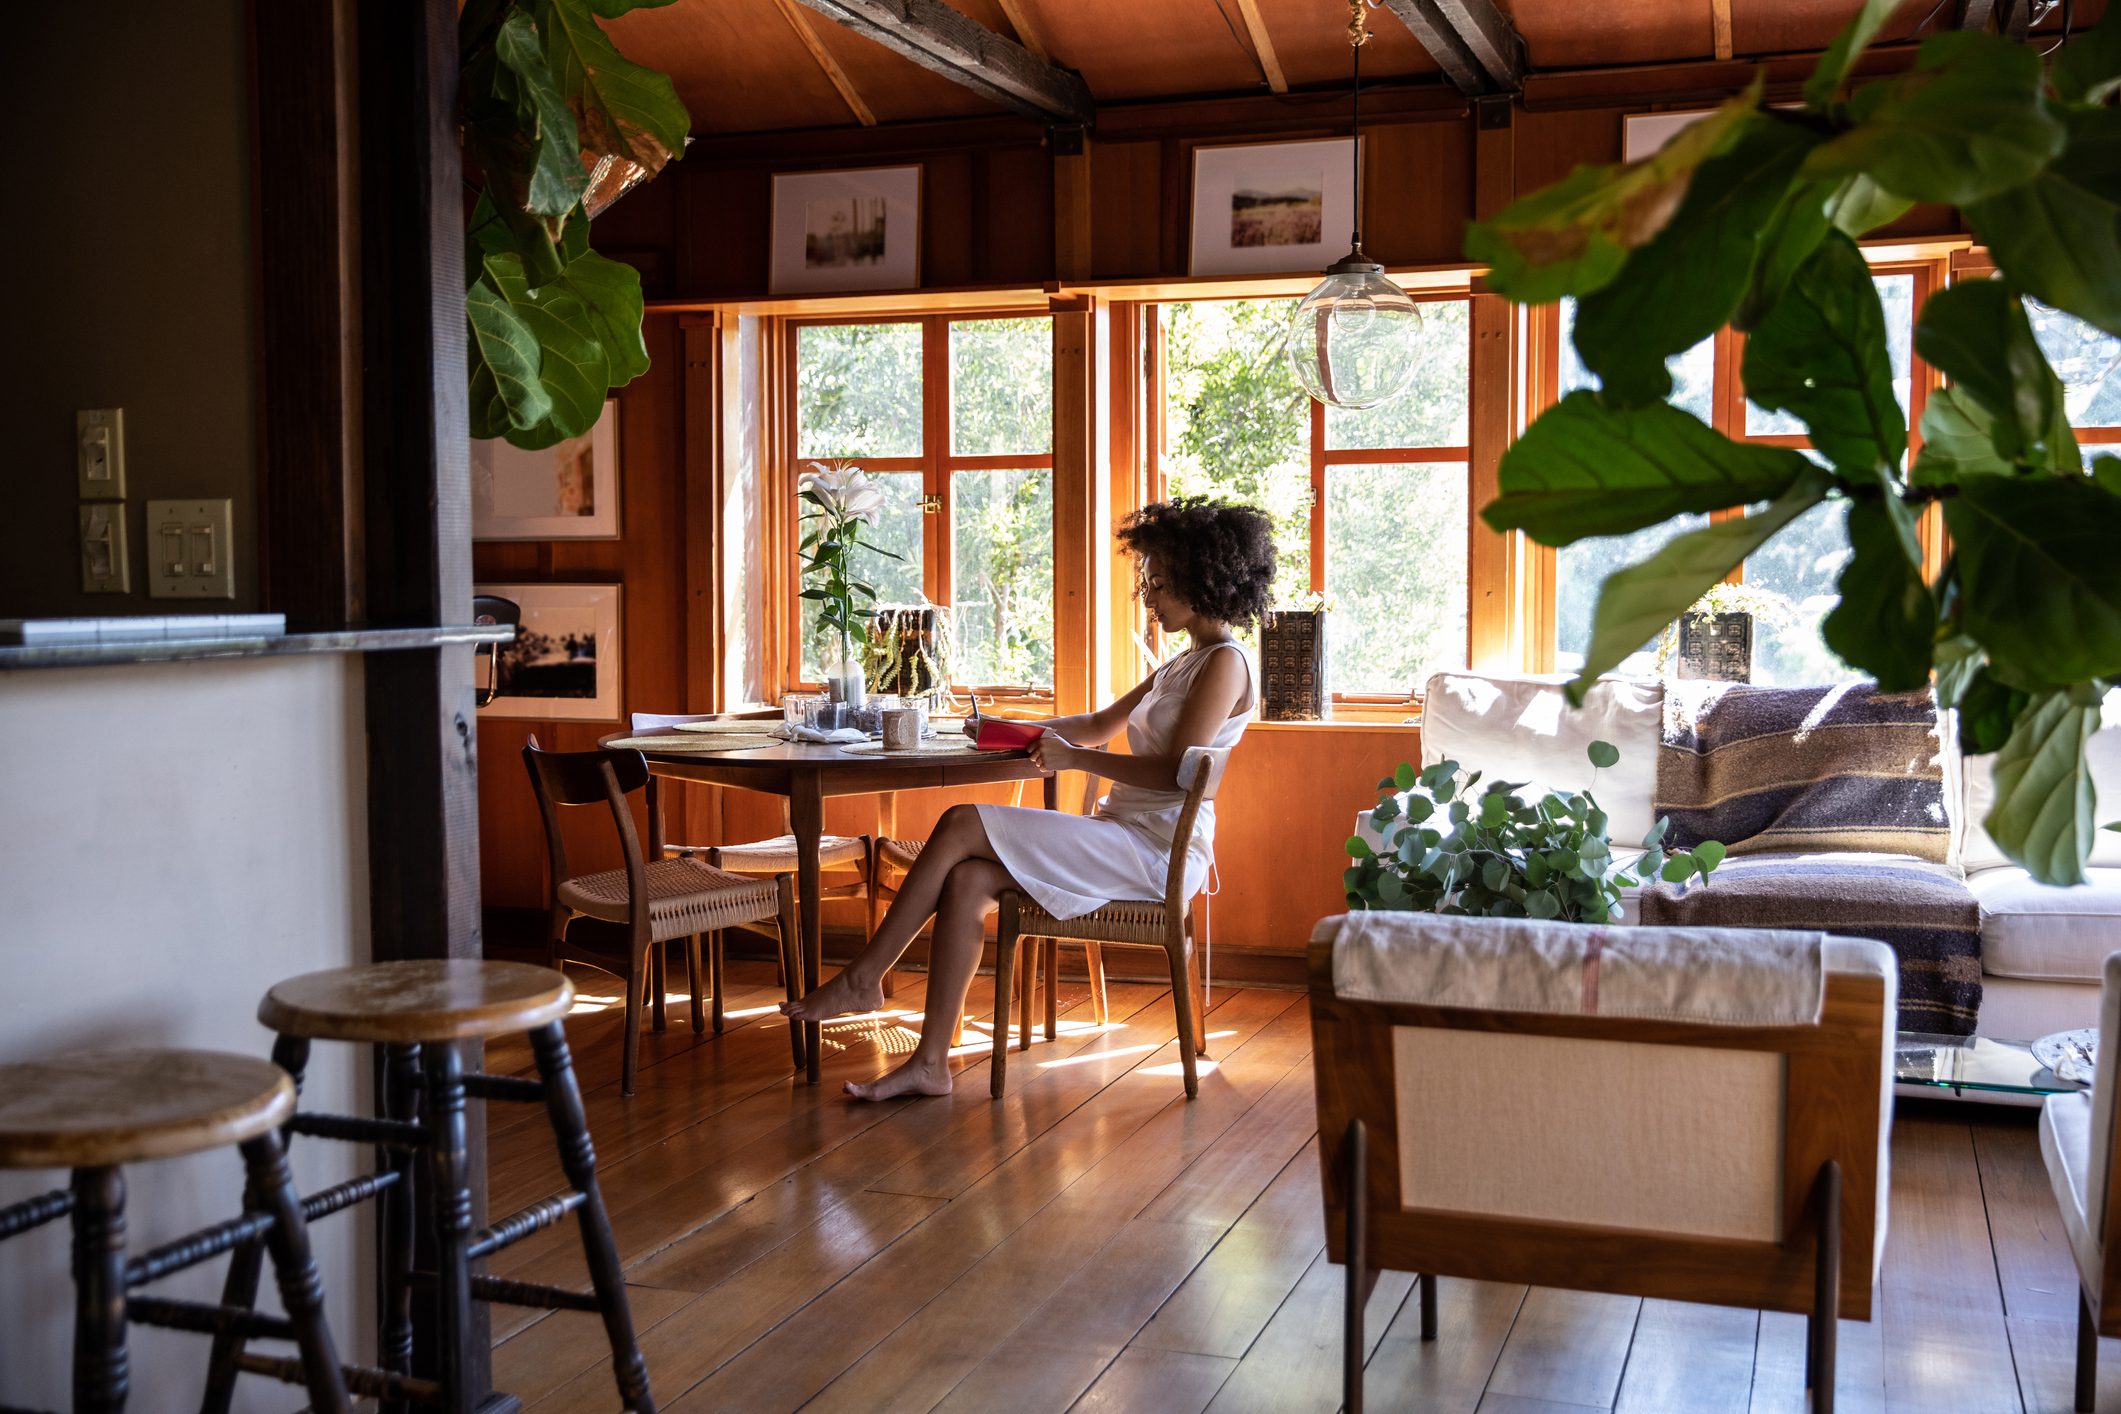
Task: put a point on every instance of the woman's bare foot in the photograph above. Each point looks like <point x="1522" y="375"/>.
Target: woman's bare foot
<point x="844" y="995"/>
<point x="915" y="1077"/>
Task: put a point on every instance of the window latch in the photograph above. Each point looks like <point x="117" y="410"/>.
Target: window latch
<point x="931" y="505"/>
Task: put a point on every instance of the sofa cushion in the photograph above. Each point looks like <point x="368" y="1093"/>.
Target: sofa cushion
<point x="2047" y="934"/>
<point x="1523" y="729"/>
<point x="2103" y="754"/>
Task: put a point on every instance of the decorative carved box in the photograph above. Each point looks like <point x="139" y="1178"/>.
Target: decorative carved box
<point x="1292" y="652"/>
<point x="1717" y="647"/>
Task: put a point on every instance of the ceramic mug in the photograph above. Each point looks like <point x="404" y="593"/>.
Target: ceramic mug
<point x="902" y="729"/>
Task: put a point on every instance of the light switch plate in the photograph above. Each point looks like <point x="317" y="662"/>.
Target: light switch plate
<point x="99" y="453"/>
<point x="105" y="567"/>
<point x="190" y="554"/>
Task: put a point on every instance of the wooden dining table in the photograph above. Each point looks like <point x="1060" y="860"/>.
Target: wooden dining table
<point x="806" y="774"/>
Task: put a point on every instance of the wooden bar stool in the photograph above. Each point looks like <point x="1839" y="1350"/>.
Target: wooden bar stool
<point x="97" y="1113"/>
<point x="416" y="1011"/>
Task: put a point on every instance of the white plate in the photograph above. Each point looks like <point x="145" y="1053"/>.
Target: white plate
<point x="2059" y="1053"/>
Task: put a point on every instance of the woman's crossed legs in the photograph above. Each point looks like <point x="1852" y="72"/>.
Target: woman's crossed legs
<point x="957" y="879"/>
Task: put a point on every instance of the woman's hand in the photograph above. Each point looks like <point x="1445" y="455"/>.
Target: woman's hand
<point x="1051" y="754"/>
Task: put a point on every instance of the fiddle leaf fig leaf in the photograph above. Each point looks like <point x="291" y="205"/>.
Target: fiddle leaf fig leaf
<point x="550" y="182"/>
<point x="1977" y="332"/>
<point x="2058" y="235"/>
<point x="1860" y="205"/>
<point x="1686" y="283"/>
<point x="1833" y="67"/>
<point x="506" y="393"/>
<point x="1588" y="468"/>
<point x="1635" y="603"/>
<point x="1965" y="123"/>
<point x="1572" y="237"/>
<point x="2042" y="815"/>
<point x="1958" y="441"/>
<point x="2041" y="583"/>
<point x="572" y="366"/>
<point x="2089" y="67"/>
<point x="622" y="109"/>
<point x="1820" y="353"/>
<point x="2106" y="474"/>
<point x="1886" y="622"/>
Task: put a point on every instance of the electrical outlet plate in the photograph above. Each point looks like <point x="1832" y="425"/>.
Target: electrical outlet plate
<point x="105" y="566"/>
<point x="190" y="554"/>
<point x="99" y="453"/>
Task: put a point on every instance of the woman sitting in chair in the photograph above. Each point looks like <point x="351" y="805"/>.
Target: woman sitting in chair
<point x="1201" y="567"/>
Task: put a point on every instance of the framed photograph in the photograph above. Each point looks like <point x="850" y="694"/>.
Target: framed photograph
<point x="569" y="491"/>
<point x="1641" y="134"/>
<point x="564" y="665"/>
<point x="852" y="230"/>
<point x="1272" y="208"/>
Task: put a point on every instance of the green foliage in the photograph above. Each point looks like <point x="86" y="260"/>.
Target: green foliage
<point x="2024" y="622"/>
<point x="557" y="123"/>
<point x="1497" y="856"/>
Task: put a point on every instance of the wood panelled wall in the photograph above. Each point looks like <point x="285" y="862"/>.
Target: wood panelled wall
<point x="700" y="232"/>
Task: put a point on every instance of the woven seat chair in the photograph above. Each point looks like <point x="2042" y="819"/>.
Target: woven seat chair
<point x="612" y="919"/>
<point x="776" y="858"/>
<point x="1143" y="923"/>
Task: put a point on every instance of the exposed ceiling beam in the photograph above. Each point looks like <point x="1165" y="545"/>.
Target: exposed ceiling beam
<point x="1028" y="33"/>
<point x="1975" y="14"/>
<point x="1263" y="46"/>
<point x="1469" y="39"/>
<point x="943" y="41"/>
<point x="805" y="31"/>
<point x="1720" y="27"/>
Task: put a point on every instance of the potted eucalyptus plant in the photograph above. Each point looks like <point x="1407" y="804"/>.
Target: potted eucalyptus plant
<point x="1750" y="217"/>
<point x="1495" y="855"/>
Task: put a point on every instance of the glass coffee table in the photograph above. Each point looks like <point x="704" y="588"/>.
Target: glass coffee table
<point x="1961" y="1063"/>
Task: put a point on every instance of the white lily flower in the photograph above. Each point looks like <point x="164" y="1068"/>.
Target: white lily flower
<point x="846" y="491"/>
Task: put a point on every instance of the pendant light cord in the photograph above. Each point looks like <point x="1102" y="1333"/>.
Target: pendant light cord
<point x="1357" y="36"/>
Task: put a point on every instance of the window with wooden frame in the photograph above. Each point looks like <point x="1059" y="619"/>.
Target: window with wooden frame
<point x="1371" y="509"/>
<point x="952" y="415"/>
<point x="1799" y="569"/>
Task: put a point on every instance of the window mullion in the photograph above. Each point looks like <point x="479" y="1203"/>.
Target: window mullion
<point x="935" y="447"/>
<point x="1318" y="497"/>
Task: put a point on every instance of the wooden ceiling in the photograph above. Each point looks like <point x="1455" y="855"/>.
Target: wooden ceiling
<point x="765" y="65"/>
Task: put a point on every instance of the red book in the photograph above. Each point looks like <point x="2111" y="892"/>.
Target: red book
<point x="998" y="735"/>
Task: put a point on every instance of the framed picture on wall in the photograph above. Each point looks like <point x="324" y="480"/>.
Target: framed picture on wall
<point x="568" y="491"/>
<point x="1272" y="208"/>
<point x="564" y="665"/>
<point x="853" y="230"/>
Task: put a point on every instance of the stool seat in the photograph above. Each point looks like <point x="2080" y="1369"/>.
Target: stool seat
<point x="448" y="1000"/>
<point x="779" y="855"/>
<point x="121" y="1107"/>
<point x="900" y="854"/>
<point x="685" y="896"/>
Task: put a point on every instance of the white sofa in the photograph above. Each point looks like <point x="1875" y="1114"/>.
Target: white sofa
<point x="2042" y="948"/>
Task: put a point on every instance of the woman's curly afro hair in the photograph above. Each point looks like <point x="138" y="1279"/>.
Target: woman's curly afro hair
<point x="1218" y="556"/>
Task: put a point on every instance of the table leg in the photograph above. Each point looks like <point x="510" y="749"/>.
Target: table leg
<point x="655" y="820"/>
<point x="806" y="818"/>
<point x="1053" y="792"/>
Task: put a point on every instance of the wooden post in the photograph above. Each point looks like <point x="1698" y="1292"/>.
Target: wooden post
<point x="1071" y="205"/>
<point x="1495" y="561"/>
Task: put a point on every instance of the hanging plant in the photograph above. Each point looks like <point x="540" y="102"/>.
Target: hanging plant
<point x="1750" y="217"/>
<point x="559" y="125"/>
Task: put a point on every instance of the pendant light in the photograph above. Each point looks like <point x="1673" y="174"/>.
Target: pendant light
<point x="1351" y="340"/>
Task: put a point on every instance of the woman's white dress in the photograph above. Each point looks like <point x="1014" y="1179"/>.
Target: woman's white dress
<point x="1072" y="864"/>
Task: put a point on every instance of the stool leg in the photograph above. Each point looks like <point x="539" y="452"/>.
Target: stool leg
<point x="240" y="1286"/>
<point x="793" y="978"/>
<point x="1027" y="983"/>
<point x="401" y="1100"/>
<point x="449" y="1204"/>
<point x="100" y="1367"/>
<point x="630" y="1051"/>
<point x="659" y="986"/>
<point x="718" y="974"/>
<point x="1094" y="964"/>
<point x="692" y="984"/>
<point x="301" y="1289"/>
<point x="578" y="1159"/>
<point x="1052" y="961"/>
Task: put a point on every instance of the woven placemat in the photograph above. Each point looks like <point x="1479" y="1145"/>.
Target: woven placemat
<point x="930" y="746"/>
<point x="755" y="727"/>
<point x="720" y="741"/>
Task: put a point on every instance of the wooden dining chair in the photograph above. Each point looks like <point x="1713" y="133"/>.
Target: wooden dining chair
<point x="612" y="919"/>
<point x="1166" y="924"/>
<point x="1642" y="1155"/>
<point x="776" y="858"/>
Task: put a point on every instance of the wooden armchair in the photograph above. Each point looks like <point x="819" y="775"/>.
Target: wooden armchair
<point x="1732" y="1165"/>
<point x="1144" y="923"/>
<point x="2078" y="1142"/>
<point x="610" y="920"/>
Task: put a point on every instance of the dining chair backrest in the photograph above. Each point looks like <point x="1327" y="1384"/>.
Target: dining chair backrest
<point x="2102" y="1168"/>
<point x="568" y="778"/>
<point x="1200" y="773"/>
<point x="493" y="609"/>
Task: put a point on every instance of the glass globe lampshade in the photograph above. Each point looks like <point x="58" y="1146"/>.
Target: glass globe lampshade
<point x="1351" y="341"/>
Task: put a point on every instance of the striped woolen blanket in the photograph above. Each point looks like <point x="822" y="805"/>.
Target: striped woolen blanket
<point x="1831" y="801"/>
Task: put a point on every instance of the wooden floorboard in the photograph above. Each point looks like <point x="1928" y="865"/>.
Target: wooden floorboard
<point x="1095" y="1242"/>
